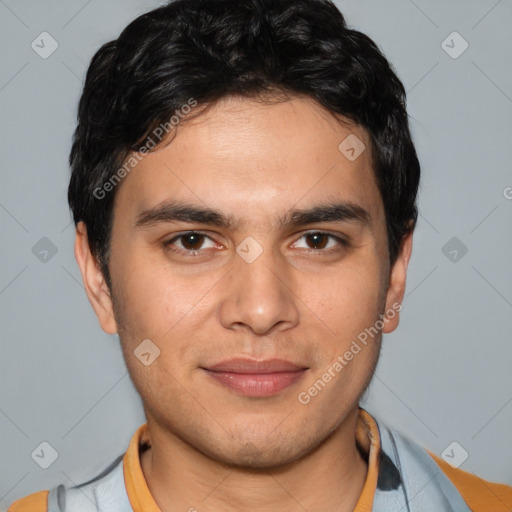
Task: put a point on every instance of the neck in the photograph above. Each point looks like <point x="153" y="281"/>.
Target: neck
<point x="329" y="478"/>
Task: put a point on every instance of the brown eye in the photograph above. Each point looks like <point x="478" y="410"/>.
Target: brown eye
<point x="192" y="241"/>
<point x="318" y="240"/>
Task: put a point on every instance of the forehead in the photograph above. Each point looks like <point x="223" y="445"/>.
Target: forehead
<point x="254" y="158"/>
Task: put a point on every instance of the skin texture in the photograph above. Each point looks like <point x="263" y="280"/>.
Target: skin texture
<point x="212" y="448"/>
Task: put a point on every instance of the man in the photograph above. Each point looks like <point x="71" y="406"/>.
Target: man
<point x="244" y="189"/>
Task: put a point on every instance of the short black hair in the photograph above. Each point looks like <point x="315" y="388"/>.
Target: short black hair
<point x="205" y="50"/>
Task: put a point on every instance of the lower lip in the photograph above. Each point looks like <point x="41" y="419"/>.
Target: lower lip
<point x="257" y="384"/>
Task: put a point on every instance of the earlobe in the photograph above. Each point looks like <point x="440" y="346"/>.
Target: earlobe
<point x="396" y="288"/>
<point x="95" y="285"/>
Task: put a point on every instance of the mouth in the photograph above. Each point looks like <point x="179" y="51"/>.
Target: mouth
<point x="252" y="378"/>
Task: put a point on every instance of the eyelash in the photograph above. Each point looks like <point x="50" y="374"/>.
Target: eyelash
<point x="196" y="253"/>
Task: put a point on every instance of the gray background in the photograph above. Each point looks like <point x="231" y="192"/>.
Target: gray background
<point x="444" y="375"/>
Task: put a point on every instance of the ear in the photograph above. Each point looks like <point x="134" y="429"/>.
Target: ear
<point x="94" y="282"/>
<point x="396" y="288"/>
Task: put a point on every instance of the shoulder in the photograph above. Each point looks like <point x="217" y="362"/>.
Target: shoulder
<point x="435" y="482"/>
<point x="37" y="502"/>
<point x="105" y="491"/>
<point x="479" y="494"/>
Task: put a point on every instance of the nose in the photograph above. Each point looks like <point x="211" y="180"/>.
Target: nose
<point x="259" y="295"/>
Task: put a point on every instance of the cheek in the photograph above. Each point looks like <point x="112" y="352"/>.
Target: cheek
<point x="152" y="298"/>
<point x="348" y="303"/>
<point x="167" y="308"/>
<point x="348" y="298"/>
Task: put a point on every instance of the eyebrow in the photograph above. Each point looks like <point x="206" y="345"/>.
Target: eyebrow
<point x="172" y="211"/>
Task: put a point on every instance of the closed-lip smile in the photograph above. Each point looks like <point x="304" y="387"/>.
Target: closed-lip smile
<point x="254" y="378"/>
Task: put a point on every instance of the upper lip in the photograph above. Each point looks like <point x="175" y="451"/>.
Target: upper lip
<point x="241" y="365"/>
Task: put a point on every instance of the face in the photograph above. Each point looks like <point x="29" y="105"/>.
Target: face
<point x="251" y="235"/>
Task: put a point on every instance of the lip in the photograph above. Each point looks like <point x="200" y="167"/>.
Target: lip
<point x="252" y="378"/>
<point x="241" y="365"/>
